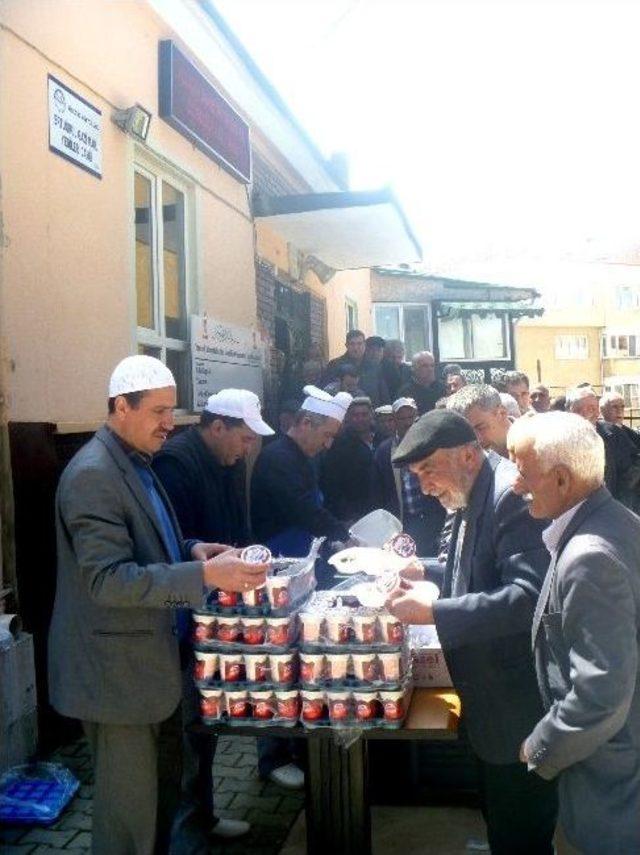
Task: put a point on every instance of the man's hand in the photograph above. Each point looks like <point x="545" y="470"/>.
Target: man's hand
<point x="411" y="602"/>
<point x="204" y="551"/>
<point x="414" y="572"/>
<point x="229" y="572"/>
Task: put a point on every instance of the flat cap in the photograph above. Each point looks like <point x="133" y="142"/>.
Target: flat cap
<point x="434" y="430"/>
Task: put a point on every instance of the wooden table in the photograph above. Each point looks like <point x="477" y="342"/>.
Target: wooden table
<point x="337" y="803"/>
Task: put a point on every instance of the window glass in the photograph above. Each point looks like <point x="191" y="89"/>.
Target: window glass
<point x="173" y="262"/>
<point x="387" y="321"/>
<point x="451" y="339"/>
<point x="178" y="363"/>
<point x="488" y="337"/>
<point x="416" y="334"/>
<point x="144" y="255"/>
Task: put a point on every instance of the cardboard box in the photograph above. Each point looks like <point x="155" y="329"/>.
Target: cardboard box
<point x="429" y="665"/>
<point x="18" y="703"/>
<point x="18" y="741"/>
<point x="430" y="669"/>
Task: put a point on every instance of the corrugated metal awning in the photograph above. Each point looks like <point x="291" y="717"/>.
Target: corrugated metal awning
<point x="516" y="309"/>
<point x="345" y="231"/>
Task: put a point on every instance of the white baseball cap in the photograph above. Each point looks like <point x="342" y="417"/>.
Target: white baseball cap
<point x="239" y="404"/>
<point x="403" y="402"/>
<point x="139" y="374"/>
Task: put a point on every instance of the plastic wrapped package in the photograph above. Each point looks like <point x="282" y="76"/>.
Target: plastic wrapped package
<point x="35" y="793"/>
<point x="257" y="706"/>
<point x="289" y="582"/>
<point x="355" y="708"/>
<point x="242" y="634"/>
<point x="215" y="670"/>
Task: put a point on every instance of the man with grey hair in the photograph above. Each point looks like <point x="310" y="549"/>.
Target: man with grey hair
<point x="622" y="463"/>
<point x="423" y="386"/>
<point x="612" y="409"/>
<point x="495" y="567"/>
<point x="483" y="409"/>
<point x="585" y="633"/>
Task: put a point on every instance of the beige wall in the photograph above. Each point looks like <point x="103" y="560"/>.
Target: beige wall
<point x="68" y="299"/>
<point x="535" y="343"/>
<point x="353" y="285"/>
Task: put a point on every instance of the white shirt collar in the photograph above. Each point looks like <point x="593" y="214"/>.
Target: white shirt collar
<point x="552" y="535"/>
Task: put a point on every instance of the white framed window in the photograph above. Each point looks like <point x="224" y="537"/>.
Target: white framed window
<point x="163" y="298"/>
<point x="351" y="314"/>
<point x="620" y="345"/>
<point x="473" y="337"/>
<point x="572" y="347"/>
<point x="629" y="391"/>
<point x="408" y="322"/>
<point x="627" y="297"/>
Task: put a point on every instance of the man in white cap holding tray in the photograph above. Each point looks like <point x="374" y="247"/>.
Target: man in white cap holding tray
<point x="125" y="582"/>
<point x="287" y="513"/>
<point x="202" y="469"/>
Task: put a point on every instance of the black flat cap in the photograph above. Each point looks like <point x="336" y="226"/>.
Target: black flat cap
<point x="434" y="430"/>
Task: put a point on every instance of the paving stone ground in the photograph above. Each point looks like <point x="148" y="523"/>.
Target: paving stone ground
<point x="239" y="794"/>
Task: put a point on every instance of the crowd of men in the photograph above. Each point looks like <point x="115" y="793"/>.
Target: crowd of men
<point x="530" y="503"/>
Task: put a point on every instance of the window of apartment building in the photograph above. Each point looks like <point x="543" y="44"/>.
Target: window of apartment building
<point x="627" y="297"/>
<point x="408" y="322"/>
<point x="572" y="347"/>
<point x="620" y="346"/>
<point x="161" y="274"/>
<point x="629" y="391"/>
<point x="351" y="314"/>
<point x="473" y="337"/>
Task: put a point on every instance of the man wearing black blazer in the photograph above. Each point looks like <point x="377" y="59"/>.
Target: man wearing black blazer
<point x="495" y="568"/>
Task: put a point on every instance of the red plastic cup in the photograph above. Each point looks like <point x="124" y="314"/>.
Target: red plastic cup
<point x="312" y="706"/>
<point x="288" y="705"/>
<point x="366" y="706"/>
<point x="392" y="705"/>
<point x="232" y="668"/>
<point x="278" y="630"/>
<point x="238" y="704"/>
<point x="283" y="667"/>
<point x="339" y="707"/>
<point x="210" y="703"/>
<point x="253" y="630"/>
<point x="204" y="628"/>
<point x="263" y="704"/>
<point x="228" y="599"/>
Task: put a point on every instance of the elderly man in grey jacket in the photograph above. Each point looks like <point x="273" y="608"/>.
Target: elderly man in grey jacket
<point x="125" y="580"/>
<point x="585" y="634"/>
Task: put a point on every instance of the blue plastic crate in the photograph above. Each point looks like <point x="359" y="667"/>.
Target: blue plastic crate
<point x="36" y="793"/>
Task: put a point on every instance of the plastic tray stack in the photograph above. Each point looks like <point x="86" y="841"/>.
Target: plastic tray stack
<point x="246" y="655"/>
<point x="355" y="668"/>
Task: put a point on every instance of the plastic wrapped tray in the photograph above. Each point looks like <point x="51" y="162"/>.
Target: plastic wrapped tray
<point x="359" y="708"/>
<point x="250" y="670"/>
<point x="241" y="706"/>
<point x="386" y="670"/>
<point x="244" y="634"/>
<point x="36" y="793"/>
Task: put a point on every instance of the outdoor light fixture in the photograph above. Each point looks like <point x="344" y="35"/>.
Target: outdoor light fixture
<point x="134" y="121"/>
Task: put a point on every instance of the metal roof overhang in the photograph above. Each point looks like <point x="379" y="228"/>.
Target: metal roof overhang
<point x="345" y="231"/>
<point x="516" y="309"/>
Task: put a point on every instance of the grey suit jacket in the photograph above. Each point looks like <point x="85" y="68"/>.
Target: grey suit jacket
<point x="113" y="647"/>
<point x="586" y="642"/>
<point x="486" y="633"/>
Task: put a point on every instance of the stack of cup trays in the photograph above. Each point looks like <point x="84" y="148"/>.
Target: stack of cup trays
<point x="355" y="668"/>
<point x="246" y="660"/>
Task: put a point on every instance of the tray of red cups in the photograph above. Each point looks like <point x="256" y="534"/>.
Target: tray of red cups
<point x="362" y="708"/>
<point x="243" y="634"/>
<point x="258" y="706"/>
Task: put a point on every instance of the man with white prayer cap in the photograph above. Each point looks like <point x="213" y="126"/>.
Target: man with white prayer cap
<point x="125" y="580"/>
<point x="287" y="513"/>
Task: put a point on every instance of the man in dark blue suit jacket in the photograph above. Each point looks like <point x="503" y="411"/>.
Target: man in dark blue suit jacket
<point x="495" y="568"/>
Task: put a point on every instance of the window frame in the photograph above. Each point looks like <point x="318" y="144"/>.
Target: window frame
<point x="401" y="327"/>
<point x="156" y="173"/>
<point x="350" y="305"/>
<point x="467" y="322"/>
<point x="571" y="354"/>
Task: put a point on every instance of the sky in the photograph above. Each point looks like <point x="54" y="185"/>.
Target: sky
<point x="510" y="131"/>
